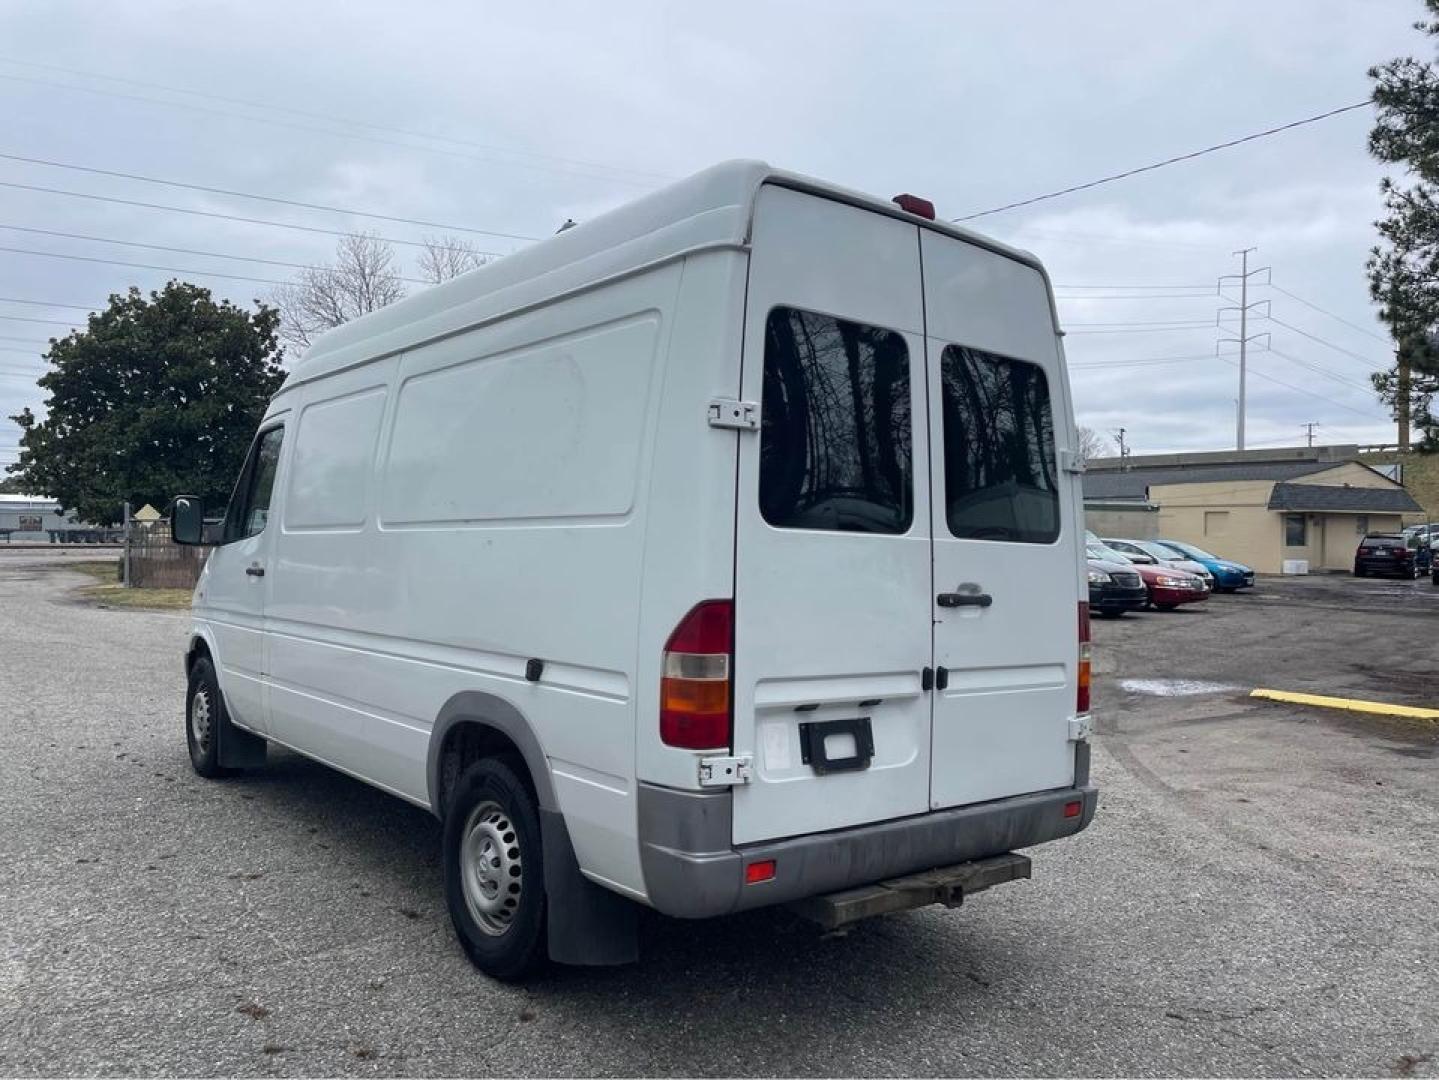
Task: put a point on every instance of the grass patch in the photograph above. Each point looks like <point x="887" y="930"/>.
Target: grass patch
<point x="108" y="571"/>
<point x="113" y="594"/>
<point x="108" y="592"/>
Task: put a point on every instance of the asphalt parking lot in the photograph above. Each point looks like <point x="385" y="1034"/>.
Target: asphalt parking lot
<point x="1257" y="895"/>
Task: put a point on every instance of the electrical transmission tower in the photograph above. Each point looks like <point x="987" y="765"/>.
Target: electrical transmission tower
<point x="1245" y="337"/>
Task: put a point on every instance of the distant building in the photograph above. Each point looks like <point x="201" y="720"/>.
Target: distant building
<point x="1260" y="507"/>
<point x="36" y="518"/>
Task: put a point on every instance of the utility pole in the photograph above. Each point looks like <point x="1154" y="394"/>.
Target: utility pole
<point x="1309" y="431"/>
<point x="1244" y="337"/>
<point x="1123" y="449"/>
<point x="1401" y="410"/>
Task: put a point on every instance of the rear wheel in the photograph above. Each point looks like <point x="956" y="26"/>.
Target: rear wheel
<point x="1359" y="571"/>
<point x="1166" y="607"/>
<point x="494" y="869"/>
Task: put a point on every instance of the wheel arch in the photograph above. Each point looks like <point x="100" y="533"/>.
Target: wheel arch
<point x="486" y="724"/>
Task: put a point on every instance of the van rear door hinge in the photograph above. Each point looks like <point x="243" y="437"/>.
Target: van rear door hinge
<point x="729" y="413"/>
<point x="725" y="771"/>
<point x="1071" y="462"/>
<point x="1079" y="728"/>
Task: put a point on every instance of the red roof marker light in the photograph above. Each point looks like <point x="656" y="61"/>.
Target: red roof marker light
<point x="913" y="204"/>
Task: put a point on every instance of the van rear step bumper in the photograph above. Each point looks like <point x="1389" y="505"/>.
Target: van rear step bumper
<point x="948" y="885"/>
<point x="693" y="871"/>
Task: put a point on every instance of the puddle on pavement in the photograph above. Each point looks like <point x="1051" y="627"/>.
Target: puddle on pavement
<point x="1174" y="687"/>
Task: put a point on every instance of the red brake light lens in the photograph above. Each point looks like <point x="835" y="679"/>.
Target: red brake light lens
<point x="695" y="679"/>
<point x="1081" y="704"/>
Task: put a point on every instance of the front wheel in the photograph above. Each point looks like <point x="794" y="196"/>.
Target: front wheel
<point x="494" y="870"/>
<point x="204" y="713"/>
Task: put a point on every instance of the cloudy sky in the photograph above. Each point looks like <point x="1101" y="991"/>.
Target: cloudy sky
<point x="510" y="118"/>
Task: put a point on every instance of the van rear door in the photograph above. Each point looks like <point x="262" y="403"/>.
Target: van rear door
<point x="832" y="574"/>
<point x="1005" y="523"/>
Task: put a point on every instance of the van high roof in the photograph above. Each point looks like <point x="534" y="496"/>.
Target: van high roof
<point x="713" y="208"/>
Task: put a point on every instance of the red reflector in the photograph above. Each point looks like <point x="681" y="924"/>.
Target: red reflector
<point x="913" y="204"/>
<point x="756" y="872"/>
<point x="1072" y="809"/>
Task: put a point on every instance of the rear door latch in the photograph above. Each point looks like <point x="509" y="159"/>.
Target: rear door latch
<point x="729" y="413"/>
<point x="725" y="771"/>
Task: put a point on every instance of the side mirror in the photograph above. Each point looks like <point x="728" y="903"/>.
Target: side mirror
<point x="187" y="519"/>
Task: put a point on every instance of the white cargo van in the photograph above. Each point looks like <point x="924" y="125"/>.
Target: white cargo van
<point x="721" y="552"/>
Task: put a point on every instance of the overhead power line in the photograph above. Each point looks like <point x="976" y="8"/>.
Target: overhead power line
<point x="1200" y="285"/>
<point x="209" y="213"/>
<point x="1161" y="164"/>
<point x="1143" y="296"/>
<point x="179" y="250"/>
<point x="143" y="266"/>
<point x="1336" y="318"/>
<point x="50" y="303"/>
<point x="46" y="322"/>
<point x="602" y="171"/>
<point x="1290" y="386"/>
<point x="1160" y="322"/>
<point x="275" y="199"/>
<point x="1327" y="344"/>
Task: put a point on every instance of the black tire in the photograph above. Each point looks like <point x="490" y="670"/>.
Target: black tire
<point x="1105" y="613"/>
<point x="204" y="715"/>
<point x="1166" y="607"/>
<point x="1359" y="571"/>
<point x="493" y="808"/>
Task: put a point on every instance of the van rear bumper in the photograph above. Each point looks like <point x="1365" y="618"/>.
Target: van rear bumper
<point x="692" y="871"/>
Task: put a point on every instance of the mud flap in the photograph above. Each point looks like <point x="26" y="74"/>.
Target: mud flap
<point x="238" y="749"/>
<point x="587" y="924"/>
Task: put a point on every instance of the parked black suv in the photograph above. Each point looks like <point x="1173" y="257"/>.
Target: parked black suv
<point x="1385" y="554"/>
<point x="1115" y="589"/>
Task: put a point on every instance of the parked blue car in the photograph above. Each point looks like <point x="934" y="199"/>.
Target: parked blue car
<point x="1228" y="575"/>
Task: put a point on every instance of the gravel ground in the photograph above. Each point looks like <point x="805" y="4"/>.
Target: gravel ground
<point x="1257" y="896"/>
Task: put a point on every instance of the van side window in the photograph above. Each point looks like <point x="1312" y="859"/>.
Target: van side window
<point x="250" y="505"/>
<point x="835" y="426"/>
<point x="1000" y="480"/>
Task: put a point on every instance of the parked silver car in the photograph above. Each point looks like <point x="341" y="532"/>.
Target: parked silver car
<point x="1162" y="555"/>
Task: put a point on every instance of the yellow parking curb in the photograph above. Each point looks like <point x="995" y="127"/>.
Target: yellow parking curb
<point x="1352" y="704"/>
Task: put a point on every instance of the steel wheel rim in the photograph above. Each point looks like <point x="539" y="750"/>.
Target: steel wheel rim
<point x="200" y="719"/>
<point x="491" y="870"/>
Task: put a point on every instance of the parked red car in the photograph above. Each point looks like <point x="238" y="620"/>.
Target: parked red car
<point x="1168" y="587"/>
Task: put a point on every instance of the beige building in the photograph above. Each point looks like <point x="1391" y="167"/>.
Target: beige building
<point x="1262" y="508"/>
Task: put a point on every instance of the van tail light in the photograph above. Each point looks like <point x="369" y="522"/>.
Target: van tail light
<point x="1081" y="704"/>
<point x="695" y="679"/>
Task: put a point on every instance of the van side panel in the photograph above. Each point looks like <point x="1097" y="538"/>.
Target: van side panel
<point x="689" y="532"/>
<point x="503" y="524"/>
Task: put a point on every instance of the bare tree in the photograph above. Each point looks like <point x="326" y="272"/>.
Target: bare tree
<point x="445" y="257"/>
<point x="363" y="279"/>
<point x="1091" y="443"/>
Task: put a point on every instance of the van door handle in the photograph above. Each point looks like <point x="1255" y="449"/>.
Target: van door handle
<point x="964" y="599"/>
<point x="255" y="571"/>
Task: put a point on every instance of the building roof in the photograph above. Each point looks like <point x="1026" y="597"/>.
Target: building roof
<point x="1135" y="483"/>
<point x="711" y="209"/>
<point x="1342" y="499"/>
<point x="26" y="500"/>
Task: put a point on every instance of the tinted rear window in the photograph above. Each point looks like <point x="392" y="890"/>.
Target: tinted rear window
<point x="835" y="433"/>
<point x="1000" y="481"/>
